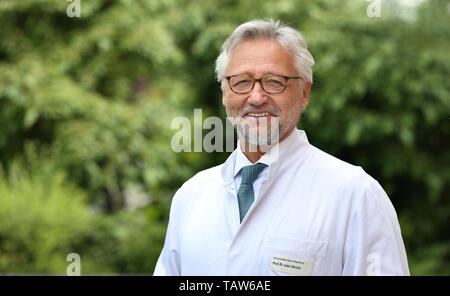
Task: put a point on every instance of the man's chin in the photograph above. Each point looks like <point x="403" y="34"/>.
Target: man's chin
<point x="259" y="137"/>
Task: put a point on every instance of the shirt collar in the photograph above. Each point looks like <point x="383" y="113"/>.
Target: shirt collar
<point x="276" y="154"/>
<point x="241" y="160"/>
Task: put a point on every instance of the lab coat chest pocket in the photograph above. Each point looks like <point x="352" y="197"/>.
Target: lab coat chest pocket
<point x="293" y="256"/>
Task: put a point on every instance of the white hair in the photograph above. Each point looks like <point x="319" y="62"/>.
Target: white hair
<point x="287" y="37"/>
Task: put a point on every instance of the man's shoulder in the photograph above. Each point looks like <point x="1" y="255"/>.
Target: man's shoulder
<point x="334" y="168"/>
<point x="349" y="180"/>
<point x="199" y="186"/>
<point x="204" y="178"/>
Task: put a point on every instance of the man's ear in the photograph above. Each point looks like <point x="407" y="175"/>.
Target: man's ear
<point x="305" y="93"/>
<point x="224" y="98"/>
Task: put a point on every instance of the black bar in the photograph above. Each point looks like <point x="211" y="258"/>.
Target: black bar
<point x="148" y="285"/>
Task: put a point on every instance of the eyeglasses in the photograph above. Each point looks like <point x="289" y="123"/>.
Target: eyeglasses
<point x="272" y="84"/>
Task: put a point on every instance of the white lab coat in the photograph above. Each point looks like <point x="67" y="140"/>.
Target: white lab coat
<point x="312" y="209"/>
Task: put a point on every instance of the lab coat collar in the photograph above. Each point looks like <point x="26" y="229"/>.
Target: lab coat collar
<point x="277" y="158"/>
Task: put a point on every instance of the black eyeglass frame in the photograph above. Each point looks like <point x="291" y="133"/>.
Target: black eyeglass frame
<point x="228" y="78"/>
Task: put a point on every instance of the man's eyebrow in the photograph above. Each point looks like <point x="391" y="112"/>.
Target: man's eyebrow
<point x="251" y="74"/>
<point x="241" y="73"/>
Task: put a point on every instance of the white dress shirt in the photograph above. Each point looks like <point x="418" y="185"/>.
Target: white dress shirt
<point x="313" y="214"/>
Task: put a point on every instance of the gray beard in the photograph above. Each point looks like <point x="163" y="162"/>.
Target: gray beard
<point x="260" y="135"/>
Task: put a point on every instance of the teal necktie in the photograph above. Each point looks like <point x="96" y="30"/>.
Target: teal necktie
<point x="246" y="195"/>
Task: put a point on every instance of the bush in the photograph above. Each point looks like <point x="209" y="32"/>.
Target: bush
<point x="41" y="218"/>
<point x="126" y="242"/>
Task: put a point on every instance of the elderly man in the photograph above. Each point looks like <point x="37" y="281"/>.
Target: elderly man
<point x="299" y="211"/>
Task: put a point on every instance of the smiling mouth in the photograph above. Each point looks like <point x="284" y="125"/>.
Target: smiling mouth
<point x="260" y="114"/>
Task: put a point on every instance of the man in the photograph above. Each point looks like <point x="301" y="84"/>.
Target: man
<point x="278" y="205"/>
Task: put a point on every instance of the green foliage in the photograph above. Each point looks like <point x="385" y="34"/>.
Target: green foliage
<point x="95" y="96"/>
<point x="41" y="218"/>
<point x="128" y="242"/>
<point x="83" y="89"/>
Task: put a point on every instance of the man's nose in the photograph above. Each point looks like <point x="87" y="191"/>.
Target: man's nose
<point x="257" y="96"/>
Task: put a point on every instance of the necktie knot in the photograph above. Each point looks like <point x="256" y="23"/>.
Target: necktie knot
<point x="251" y="172"/>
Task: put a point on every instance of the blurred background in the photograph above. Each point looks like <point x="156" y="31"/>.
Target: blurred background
<point x="86" y="105"/>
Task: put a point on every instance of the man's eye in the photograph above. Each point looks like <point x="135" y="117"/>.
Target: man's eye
<point x="242" y="82"/>
<point x="274" y="81"/>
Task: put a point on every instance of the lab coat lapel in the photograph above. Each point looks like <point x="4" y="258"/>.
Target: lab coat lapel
<point x="231" y="204"/>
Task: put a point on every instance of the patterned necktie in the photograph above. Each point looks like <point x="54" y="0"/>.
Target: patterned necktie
<point x="246" y="195"/>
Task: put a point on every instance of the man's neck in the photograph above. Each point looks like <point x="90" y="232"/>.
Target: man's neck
<point x="255" y="153"/>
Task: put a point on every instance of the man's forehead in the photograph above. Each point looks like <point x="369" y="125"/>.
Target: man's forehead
<point x="261" y="46"/>
<point x="260" y="56"/>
